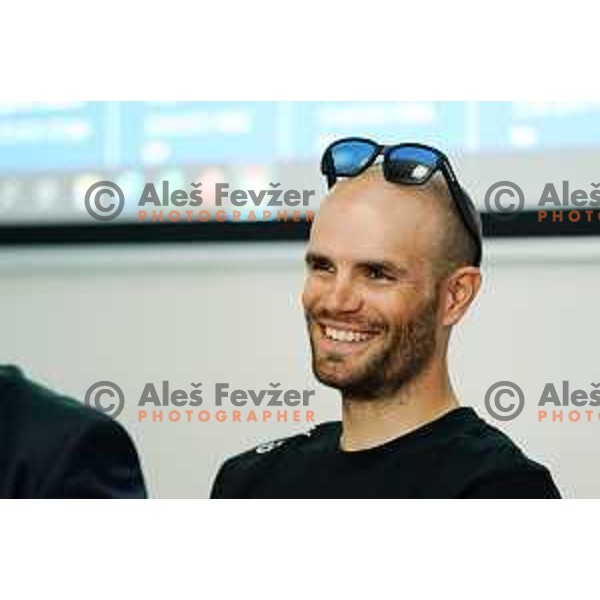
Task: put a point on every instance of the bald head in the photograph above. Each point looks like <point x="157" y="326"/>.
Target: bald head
<point x="381" y="293"/>
<point x="419" y="222"/>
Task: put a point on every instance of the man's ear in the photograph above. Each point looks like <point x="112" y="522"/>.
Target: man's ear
<point x="458" y="292"/>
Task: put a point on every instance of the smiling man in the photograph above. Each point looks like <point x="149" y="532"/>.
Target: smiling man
<point x="391" y="269"/>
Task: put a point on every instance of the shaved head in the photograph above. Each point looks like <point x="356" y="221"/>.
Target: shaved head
<point x="389" y="272"/>
<point x="427" y="213"/>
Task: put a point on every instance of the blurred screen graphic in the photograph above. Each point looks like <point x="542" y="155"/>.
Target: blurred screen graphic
<point x="51" y="153"/>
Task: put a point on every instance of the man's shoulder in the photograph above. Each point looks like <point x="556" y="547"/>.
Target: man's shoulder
<point x="484" y="440"/>
<point x="490" y="456"/>
<point x="240" y="469"/>
<point x="53" y="446"/>
<point x="28" y="407"/>
<point x="310" y="440"/>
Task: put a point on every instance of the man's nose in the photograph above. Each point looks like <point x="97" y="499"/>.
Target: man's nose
<point x="343" y="296"/>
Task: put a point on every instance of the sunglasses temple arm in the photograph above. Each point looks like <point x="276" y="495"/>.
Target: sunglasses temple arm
<point x="460" y="201"/>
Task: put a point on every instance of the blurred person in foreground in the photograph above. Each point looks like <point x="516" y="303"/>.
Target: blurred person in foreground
<point x="52" y="446"/>
<point x="393" y="265"/>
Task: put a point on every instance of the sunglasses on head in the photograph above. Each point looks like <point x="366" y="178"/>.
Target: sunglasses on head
<point x="408" y="164"/>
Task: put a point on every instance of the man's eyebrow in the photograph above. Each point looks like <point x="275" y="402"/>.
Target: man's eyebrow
<point x="313" y="257"/>
<point x="385" y="265"/>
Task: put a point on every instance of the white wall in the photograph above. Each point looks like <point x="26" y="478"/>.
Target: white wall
<point x="231" y="313"/>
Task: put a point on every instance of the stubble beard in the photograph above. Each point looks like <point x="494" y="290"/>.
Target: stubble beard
<point x="407" y="352"/>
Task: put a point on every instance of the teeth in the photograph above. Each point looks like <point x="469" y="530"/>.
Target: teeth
<point x="341" y="335"/>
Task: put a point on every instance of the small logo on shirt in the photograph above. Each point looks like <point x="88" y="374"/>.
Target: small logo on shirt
<point x="263" y="448"/>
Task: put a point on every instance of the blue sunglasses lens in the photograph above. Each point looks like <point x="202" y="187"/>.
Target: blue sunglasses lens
<point x="349" y="158"/>
<point x="411" y="164"/>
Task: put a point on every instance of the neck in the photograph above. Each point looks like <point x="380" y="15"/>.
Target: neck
<point x="367" y="423"/>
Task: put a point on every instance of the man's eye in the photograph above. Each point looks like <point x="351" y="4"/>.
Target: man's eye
<point x="320" y="266"/>
<point x="378" y="273"/>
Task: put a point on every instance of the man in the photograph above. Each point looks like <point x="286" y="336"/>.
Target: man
<point x="392" y="267"/>
<point x="55" y="447"/>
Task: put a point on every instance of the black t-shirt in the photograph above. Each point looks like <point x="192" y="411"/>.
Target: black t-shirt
<point x="458" y="455"/>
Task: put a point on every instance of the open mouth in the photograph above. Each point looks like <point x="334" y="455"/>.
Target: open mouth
<point x="343" y="335"/>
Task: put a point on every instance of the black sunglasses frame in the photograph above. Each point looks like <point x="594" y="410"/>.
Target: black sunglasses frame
<point x="442" y="164"/>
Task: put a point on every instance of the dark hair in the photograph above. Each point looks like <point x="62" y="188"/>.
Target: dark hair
<point x="456" y="246"/>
